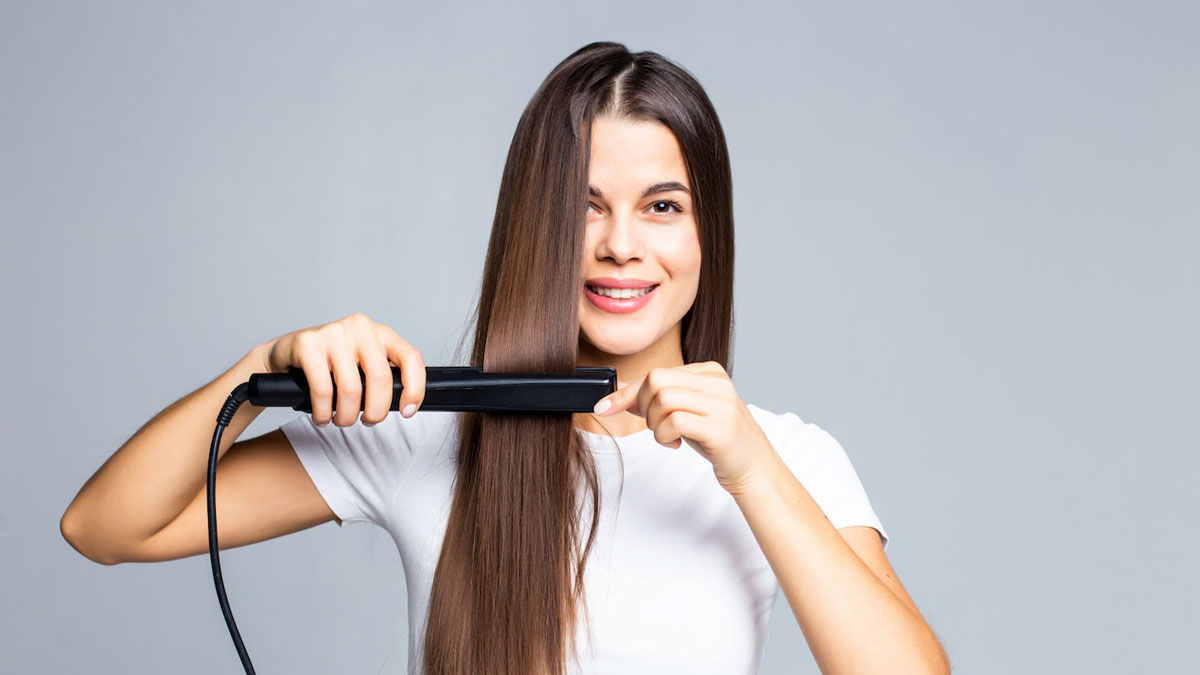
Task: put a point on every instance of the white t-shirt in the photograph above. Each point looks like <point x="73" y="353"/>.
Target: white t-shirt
<point x="676" y="581"/>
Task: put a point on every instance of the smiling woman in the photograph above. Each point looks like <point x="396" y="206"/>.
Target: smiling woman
<point x="612" y="245"/>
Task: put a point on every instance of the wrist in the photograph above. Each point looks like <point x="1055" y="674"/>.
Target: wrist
<point x="759" y="478"/>
<point x="260" y="357"/>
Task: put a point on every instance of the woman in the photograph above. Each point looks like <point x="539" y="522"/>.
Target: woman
<point x="612" y="245"/>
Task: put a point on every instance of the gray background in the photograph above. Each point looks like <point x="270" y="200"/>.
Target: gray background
<point x="967" y="238"/>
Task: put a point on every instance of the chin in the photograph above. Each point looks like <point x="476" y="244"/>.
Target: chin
<point x="619" y="345"/>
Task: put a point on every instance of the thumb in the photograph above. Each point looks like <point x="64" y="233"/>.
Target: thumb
<point x="616" y="401"/>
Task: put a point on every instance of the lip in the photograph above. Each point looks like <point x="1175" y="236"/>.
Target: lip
<point x="625" y="306"/>
<point x="613" y="282"/>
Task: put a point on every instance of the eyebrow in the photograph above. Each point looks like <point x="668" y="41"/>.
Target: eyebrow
<point x="667" y="186"/>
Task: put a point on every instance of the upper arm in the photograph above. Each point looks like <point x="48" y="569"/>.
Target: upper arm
<point x="867" y="545"/>
<point x="262" y="492"/>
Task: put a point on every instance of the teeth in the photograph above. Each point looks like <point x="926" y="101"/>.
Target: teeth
<point x="620" y="293"/>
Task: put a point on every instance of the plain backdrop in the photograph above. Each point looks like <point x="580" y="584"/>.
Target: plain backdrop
<point x="967" y="246"/>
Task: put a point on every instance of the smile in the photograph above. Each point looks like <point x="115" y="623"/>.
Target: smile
<point x="619" y="300"/>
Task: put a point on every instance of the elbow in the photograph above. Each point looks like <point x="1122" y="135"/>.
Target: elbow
<point x="939" y="663"/>
<point x="930" y="657"/>
<point x="71" y="533"/>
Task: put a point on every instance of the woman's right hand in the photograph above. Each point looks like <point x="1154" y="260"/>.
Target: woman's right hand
<point x="342" y="347"/>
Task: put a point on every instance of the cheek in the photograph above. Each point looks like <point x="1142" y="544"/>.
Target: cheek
<point x="684" y="259"/>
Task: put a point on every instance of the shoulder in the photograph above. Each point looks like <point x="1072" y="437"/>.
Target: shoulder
<point x="786" y="428"/>
<point x="805" y="446"/>
<point x="821" y="464"/>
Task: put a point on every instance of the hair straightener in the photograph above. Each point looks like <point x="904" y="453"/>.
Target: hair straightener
<point x="446" y="388"/>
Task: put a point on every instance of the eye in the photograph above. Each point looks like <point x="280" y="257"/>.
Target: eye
<point x="670" y="203"/>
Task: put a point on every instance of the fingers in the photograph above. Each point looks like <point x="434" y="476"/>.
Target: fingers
<point x="314" y="361"/>
<point x="624" y="398"/>
<point x="343" y="359"/>
<point x="376" y="374"/>
<point x="670" y="400"/>
<point x="676" y="425"/>
<point x="412" y="370"/>
<point x="636" y="396"/>
<point x="349" y="367"/>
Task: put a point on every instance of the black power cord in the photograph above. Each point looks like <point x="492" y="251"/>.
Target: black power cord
<point x="240" y="395"/>
<point x="446" y="388"/>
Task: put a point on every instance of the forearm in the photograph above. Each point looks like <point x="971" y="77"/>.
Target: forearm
<point x="853" y="623"/>
<point x="156" y="473"/>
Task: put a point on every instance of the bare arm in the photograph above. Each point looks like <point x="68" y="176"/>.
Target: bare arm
<point x="263" y="492"/>
<point x="149" y="501"/>
<point x="851" y="606"/>
<point x="159" y="471"/>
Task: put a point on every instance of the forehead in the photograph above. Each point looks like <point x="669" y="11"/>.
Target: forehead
<point x="626" y="155"/>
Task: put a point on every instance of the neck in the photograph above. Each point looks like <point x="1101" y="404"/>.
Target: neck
<point x="666" y="352"/>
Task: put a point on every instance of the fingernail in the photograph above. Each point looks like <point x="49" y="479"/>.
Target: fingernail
<point x="323" y="424"/>
<point x="409" y="410"/>
<point x="602" y="405"/>
<point x="368" y="424"/>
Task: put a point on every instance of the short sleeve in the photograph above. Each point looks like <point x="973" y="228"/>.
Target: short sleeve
<point x="358" y="468"/>
<point x="821" y="465"/>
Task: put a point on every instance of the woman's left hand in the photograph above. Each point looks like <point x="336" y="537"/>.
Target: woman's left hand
<point x="696" y="403"/>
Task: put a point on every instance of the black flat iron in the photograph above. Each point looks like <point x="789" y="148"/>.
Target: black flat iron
<point x="460" y="388"/>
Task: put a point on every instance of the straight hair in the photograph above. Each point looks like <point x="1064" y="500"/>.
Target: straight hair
<point x="508" y="587"/>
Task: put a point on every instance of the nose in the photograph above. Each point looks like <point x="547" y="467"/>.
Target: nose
<point x="620" y="238"/>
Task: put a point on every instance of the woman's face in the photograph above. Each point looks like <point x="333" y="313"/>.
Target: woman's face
<point x="641" y="230"/>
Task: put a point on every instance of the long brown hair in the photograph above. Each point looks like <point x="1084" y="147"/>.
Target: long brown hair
<point x="509" y="581"/>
